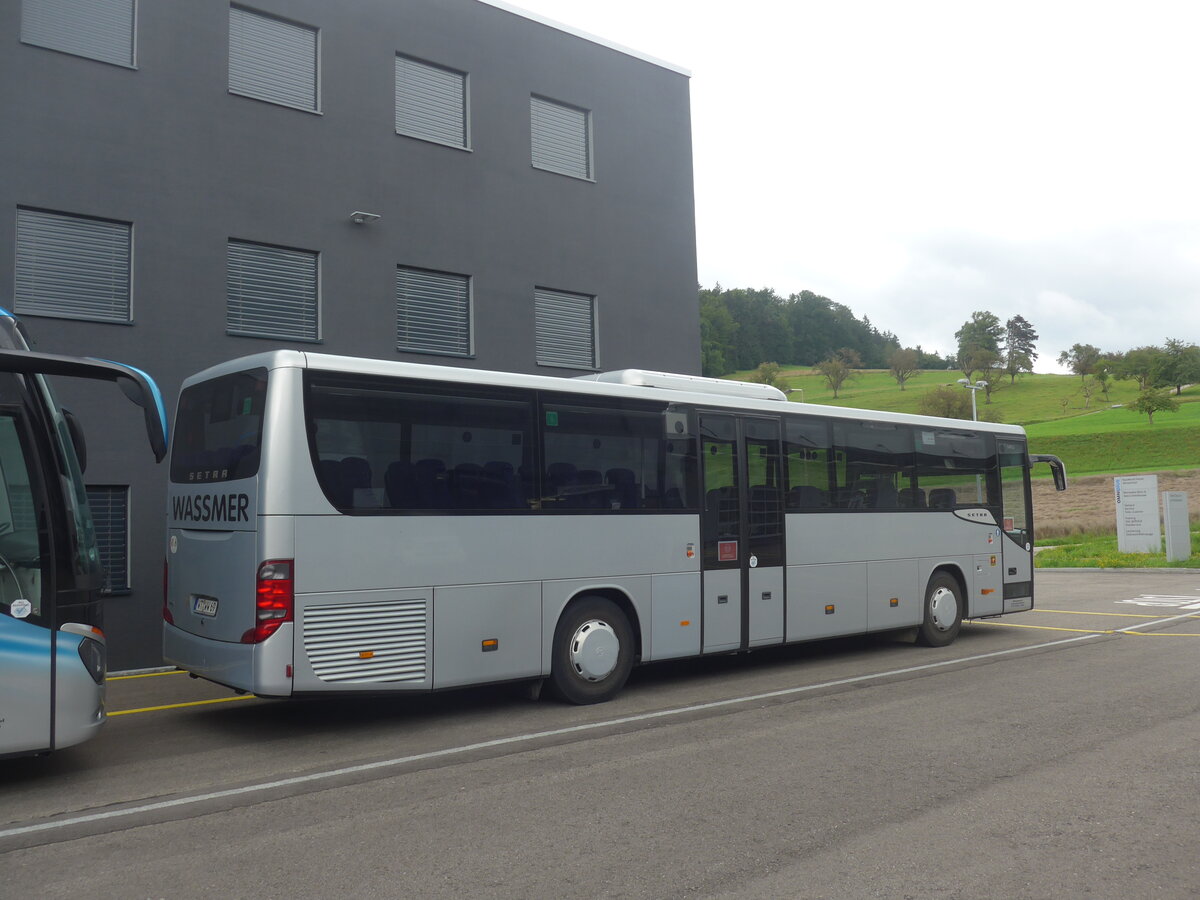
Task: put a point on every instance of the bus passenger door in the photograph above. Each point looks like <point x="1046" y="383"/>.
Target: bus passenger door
<point x="741" y="532"/>
<point x="1015" y="525"/>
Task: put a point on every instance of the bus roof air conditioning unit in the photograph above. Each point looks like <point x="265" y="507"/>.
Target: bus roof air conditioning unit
<point x="692" y="383"/>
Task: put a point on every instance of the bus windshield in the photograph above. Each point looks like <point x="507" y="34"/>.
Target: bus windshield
<point x="85" y="556"/>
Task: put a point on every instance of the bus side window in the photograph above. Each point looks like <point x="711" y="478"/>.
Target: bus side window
<point x="613" y="457"/>
<point x="806" y="448"/>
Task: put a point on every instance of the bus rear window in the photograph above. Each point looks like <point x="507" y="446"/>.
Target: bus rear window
<point x="218" y="429"/>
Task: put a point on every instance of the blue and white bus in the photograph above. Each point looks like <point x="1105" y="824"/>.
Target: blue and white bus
<point x="341" y="524"/>
<point x="52" y="648"/>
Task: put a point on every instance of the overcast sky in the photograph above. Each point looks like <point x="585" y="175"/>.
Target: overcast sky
<point x="919" y="160"/>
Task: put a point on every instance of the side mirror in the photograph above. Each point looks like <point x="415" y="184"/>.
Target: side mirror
<point x="1057" y="469"/>
<point x="77" y="439"/>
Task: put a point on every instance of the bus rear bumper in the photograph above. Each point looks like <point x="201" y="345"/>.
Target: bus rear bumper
<point x="258" y="668"/>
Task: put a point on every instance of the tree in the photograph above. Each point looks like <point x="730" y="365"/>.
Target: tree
<point x="947" y="402"/>
<point x="991" y="368"/>
<point x="1154" y="400"/>
<point x="904" y="364"/>
<point x="978" y="343"/>
<point x="1088" y="388"/>
<point x="769" y="373"/>
<point x="717" y="333"/>
<point x="978" y="359"/>
<point x="1103" y="375"/>
<point x="1182" y="364"/>
<point x="981" y="330"/>
<point x="838" y="368"/>
<point x="1019" y="342"/>
<point x="1081" y="359"/>
<point x="1138" y="365"/>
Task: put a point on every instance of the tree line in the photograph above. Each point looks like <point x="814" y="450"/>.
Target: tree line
<point x="741" y="328"/>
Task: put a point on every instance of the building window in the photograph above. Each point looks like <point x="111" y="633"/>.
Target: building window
<point x="110" y="512"/>
<point x="431" y="102"/>
<point x="561" y="137"/>
<point x="272" y="292"/>
<point x="565" y="326"/>
<point x="433" y="312"/>
<point x="72" y="267"/>
<point x="97" y="29"/>
<point x="272" y="59"/>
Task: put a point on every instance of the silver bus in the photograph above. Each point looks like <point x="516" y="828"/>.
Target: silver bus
<point x="340" y="524"/>
<point x="52" y="648"/>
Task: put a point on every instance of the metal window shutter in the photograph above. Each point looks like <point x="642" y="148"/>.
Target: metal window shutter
<point x="272" y="60"/>
<point x="560" y="138"/>
<point x="72" y="267"/>
<point x="433" y="312"/>
<point x="97" y="29"/>
<point x="110" y="514"/>
<point x="565" y="329"/>
<point x="272" y="292"/>
<point x="431" y="102"/>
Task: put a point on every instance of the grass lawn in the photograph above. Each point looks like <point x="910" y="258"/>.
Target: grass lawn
<point x="1033" y="398"/>
<point x="1099" y="551"/>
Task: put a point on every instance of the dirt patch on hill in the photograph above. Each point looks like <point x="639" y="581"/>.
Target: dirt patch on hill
<point x="1088" y="504"/>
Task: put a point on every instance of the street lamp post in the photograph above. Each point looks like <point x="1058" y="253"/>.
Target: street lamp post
<point x="973" y="388"/>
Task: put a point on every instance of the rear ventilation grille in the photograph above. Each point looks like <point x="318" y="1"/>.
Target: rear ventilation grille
<point x="368" y="642"/>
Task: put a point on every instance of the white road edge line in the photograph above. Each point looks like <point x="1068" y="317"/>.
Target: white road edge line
<point x="516" y="739"/>
<point x="1163" y="621"/>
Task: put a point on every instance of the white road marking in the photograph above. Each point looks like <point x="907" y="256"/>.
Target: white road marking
<point x="516" y="739"/>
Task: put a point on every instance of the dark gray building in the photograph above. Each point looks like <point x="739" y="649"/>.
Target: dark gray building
<point x="447" y="181"/>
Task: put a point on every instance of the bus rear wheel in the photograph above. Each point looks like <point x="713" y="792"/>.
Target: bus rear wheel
<point x="943" y="611"/>
<point x="593" y="651"/>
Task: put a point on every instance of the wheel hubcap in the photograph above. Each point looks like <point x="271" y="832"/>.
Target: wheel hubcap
<point x="594" y="650"/>
<point x="943" y="609"/>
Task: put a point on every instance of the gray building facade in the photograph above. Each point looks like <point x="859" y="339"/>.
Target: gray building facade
<point x="186" y="182"/>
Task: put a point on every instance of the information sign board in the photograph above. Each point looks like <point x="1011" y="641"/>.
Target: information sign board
<point x="1137" y="514"/>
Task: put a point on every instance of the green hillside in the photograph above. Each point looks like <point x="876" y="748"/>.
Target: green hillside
<point x="1101" y="437"/>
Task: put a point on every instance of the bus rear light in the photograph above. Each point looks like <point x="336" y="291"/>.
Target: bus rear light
<point x="274" y="600"/>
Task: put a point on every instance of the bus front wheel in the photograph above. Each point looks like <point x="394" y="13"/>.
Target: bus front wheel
<point x="943" y="611"/>
<point x="593" y="651"/>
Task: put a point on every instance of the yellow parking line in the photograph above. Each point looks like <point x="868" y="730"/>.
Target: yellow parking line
<point x="1091" y="631"/>
<point x="1163" y="633"/>
<point x="1043" y="627"/>
<point x="146" y="709"/>
<point x="144" y="675"/>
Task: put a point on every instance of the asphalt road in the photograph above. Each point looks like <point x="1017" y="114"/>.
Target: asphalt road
<point x="1051" y="754"/>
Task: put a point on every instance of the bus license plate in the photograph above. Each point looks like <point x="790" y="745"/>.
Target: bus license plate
<point x="204" y="606"/>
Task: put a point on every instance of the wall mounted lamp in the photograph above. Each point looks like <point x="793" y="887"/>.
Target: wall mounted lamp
<point x="363" y="218"/>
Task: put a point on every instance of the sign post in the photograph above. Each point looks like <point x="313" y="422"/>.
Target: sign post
<point x="1137" y="514"/>
<point x="1175" y="517"/>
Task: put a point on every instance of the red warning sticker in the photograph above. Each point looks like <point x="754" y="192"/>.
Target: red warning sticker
<point x="727" y="551"/>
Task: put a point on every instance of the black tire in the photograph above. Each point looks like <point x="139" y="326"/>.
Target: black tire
<point x="591" y="632"/>
<point x="941" y="622"/>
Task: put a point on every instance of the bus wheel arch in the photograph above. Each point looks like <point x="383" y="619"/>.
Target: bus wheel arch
<point x="944" y="606"/>
<point x="596" y="643"/>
